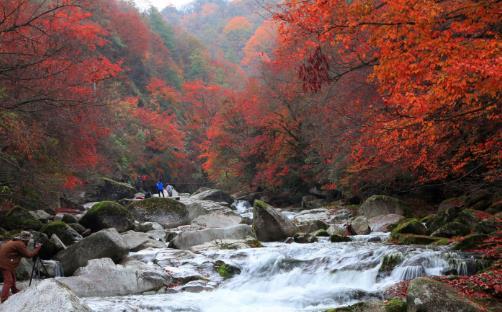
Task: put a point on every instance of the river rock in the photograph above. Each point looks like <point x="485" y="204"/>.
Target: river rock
<point x="23" y="271"/>
<point x="102" y="277"/>
<point x="360" y="226"/>
<point x="105" y="243"/>
<point x="381" y="223"/>
<point x="451" y="229"/>
<point x="378" y="205"/>
<point x="425" y="294"/>
<point x="165" y="211"/>
<point x="107" y="214"/>
<point x="212" y="195"/>
<point x="63" y="231"/>
<point x="68" y="218"/>
<point x="138" y="240"/>
<point x="41" y="215"/>
<point x="410" y="226"/>
<point x="47" y="296"/>
<point x="147" y="226"/>
<point x="185" y="240"/>
<point x="20" y="219"/>
<point x="57" y="242"/>
<point x="269" y="224"/>
<point x="108" y="189"/>
<point x="311" y="202"/>
<point x="217" y="220"/>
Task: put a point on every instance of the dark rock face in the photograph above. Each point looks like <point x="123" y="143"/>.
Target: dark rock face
<point x="426" y="295"/>
<point x="377" y="205"/>
<point x="108" y="189"/>
<point x="107" y="214"/>
<point x="103" y="244"/>
<point x="19" y="219"/>
<point x="213" y="195"/>
<point x="165" y="211"/>
<point x="269" y="224"/>
<point x="63" y="231"/>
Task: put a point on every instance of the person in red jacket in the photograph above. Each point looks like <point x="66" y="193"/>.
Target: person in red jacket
<point x="11" y="253"/>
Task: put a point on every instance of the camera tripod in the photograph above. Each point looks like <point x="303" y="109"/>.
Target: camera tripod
<point x="36" y="270"/>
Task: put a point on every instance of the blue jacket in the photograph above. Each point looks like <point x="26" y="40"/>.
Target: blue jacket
<point x="160" y="186"/>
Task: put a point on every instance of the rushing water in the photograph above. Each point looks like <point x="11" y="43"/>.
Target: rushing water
<point x="285" y="277"/>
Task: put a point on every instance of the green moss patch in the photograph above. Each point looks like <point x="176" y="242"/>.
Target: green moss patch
<point x="107" y="214"/>
<point x="410" y="226"/>
<point x="225" y="270"/>
<point x="395" y="305"/>
<point x="389" y="262"/>
<point x="411" y="239"/>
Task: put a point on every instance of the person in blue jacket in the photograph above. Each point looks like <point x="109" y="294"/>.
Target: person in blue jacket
<point x="160" y="188"/>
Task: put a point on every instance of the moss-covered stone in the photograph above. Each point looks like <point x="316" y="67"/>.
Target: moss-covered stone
<point x="441" y="242"/>
<point x="409" y="226"/>
<point x="395" y="305"/>
<point x="68" y="218"/>
<point x="452" y="229"/>
<point x="254" y="243"/>
<point x="107" y="214"/>
<point x="321" y="232"/>
<point x="65" y="233"/>
<point x="20" y="219"/>
<point x="389" y="262"/>
<point x="78" y="227"/>
<point x="470" y="242"/>
<point x="261" y="204"/>
<point x="411" y="239"/>
<point x="165" y="211"/>
<point x="225" y="270"/>
<point x="339" y="239"/>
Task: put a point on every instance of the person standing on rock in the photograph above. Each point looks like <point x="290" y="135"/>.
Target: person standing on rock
<point x="11" y="253"/>
<point x="160" y="188"/>
<point x="169" y="189"/>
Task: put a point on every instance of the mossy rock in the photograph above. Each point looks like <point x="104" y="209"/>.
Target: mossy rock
<point x="487" y="226"/>
<point x="395" y="305"/>
<point x="452" y="229"/>
<point x="62" y="230"/>
<point x="441" y="242"/>
<point x="409" y="226"/>
<point x="68" y="218"/>
<point x="20" y="219"/>
<point x="107" y="214"/>
<point x="261" y="204"/>
<point x="339" y="239"/>
<point x="412" y="239"/>
<point x="78" y="227"/>
<point x="321" y="232"/>
<point x="254" y="243"/>
<point x="165" y="211"/>
<point x="225" y="270"/>
<point x="390" y="261"/>
<point x="470" y="242"/>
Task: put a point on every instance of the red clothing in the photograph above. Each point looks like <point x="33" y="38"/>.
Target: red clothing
<point x="11" y="253"/>
<point x="9" y="283"/>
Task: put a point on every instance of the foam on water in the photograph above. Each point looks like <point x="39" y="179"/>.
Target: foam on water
<point x="285" y="277"/>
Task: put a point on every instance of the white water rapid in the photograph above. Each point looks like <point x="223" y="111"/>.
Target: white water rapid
<point x="284" y="277"/>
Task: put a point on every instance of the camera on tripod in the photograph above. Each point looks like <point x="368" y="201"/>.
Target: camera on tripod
<point x="38" y="267"/>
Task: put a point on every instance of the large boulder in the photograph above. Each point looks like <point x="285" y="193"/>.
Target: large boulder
<point x="107" y="214"/>
<point x="41" y="215"/>
<point x="452" y="229"/>
<point x="63" y="231"/>
<point x="20" y="219"/>
<point x="217" y="220"/>
<point x="213" y="195"/>
<point x="108" y="189"/>
<point x="166" y="211"/>
<point x="269" y="224"/>
<point x="47" y="296"/>
<point x="451" y="211"/>
<point x="381" y="223"/>
<point x="378" y="205"/>
<point x="138" y="240"/>
<point x="410" y="226"/>
<point x="425" y="294"/>
<point x="360" y="226"/>
<point x="186" y="240"/>
<point x="103" y="244"/>
<point x="102" y="277"/>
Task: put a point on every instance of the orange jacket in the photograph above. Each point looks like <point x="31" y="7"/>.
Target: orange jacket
<point x="11" y="253"/>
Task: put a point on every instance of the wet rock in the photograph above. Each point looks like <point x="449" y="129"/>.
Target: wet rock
<point x="360" y="226"/>
<point x="321" y="232"/>
<point x="57" y="242"/>
<point x="269" y="224"/>
<point x="185" y="240"/>
<point x="117" y="280"/>
<point x="451" y="229"/>
<point x="412" y="239"/>
<point x="374" y="239"/>
<point x="304" y="238"/>
<point x="212" y="195"/>
<point x="342" y="215"/>
<point x="20" y="219"/>
<point x="63" y="231"/>
<point x="390" y="261"/>
<point x="68" y="218"/>
<point x="426" y="295"/>
<point x="336" y="229"/>
<point x="165" y="211"/>
<point x="136" y="241"/>
<point x="147" y="226"/>
<point x="339" y="239"/>
<point x="226" y="270"/>
<point x="103" y="244"/>
<point x="107" y="214"/>
<point x="47" y="296"/>
<point x="410" y="226"/>
<point x="381" y="223"/>
<point x="377" y="205"/>
<point x="217" y="220"/>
